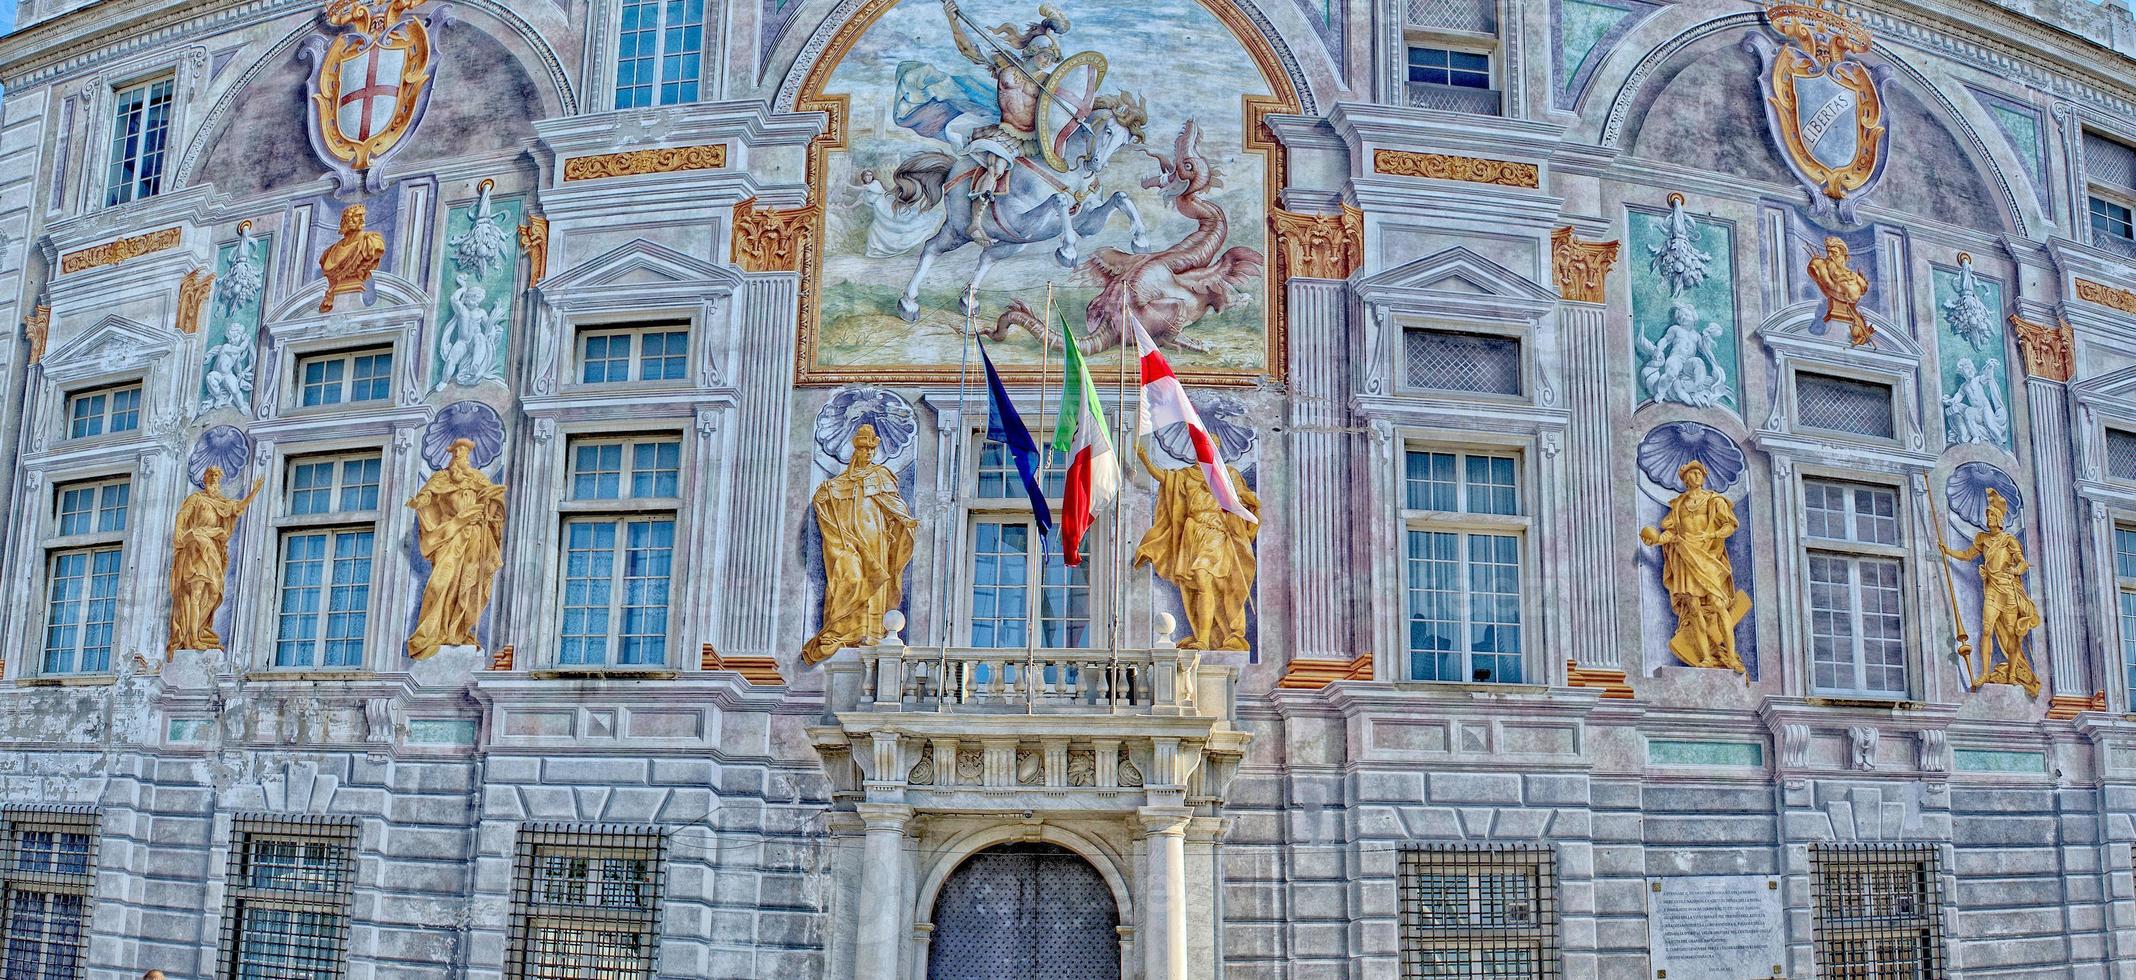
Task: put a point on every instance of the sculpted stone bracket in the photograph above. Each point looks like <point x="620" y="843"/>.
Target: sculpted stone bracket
<point x="632" y="163"/>
<point x="113" y="253"/>
<point x="1581" y="268"/>
<point x="192" y="292"/>
<point x="37" y="329"/>
<point x="1444" y="166"/>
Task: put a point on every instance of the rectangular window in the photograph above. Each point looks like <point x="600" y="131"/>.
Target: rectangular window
<point x="651" y="352"/>
<point x="47" y="870"/>
<point x="1844" y="405"/>
<point x="140" y="137"/>
<point x="659" y="52"/>
<point x="1440" y="66"/>
<point x="586" y="902"/>
<point x="2121" y="455"/>
<point x="83" y="562"/>
<point x="1463" y="535"/>
<point x="2111" y="220"/>
<point x="1877" y="911"/>
<point x="345" y="376"/>
<point x="1450" y="360"/>
<point x="1479" y="910"/>
<point x="2125" y="598"/>
<point x="104" y="411"/>
<point x="1020" y="580"/>
<point x="328" y="538"/>
<point x="618" y="563"/>
<point x="1855" y="564"/>
<point x="286" y="904"/>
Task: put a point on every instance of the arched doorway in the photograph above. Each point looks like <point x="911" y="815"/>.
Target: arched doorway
<point x="1025" y="912"/>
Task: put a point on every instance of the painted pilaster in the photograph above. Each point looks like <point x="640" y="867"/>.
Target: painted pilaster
<point x="765" y="370"/>
<point x="1587" y="446"/>
<point x="2047" y="401"/>
<point x="1318" y="444"/>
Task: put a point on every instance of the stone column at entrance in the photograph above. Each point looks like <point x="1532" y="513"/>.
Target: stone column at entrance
<point x="1164" y="893"/>
<point x="882" y="888"/>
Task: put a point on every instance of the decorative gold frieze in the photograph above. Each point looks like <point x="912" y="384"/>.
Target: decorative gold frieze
<point x="37" y="328"/>
<point x="765" y="240"/>
<point x="2049" y="352"/>
<point x="113" y="253"/>
<point x="192" y="292"/>
<point x="2107" y="296"/>
<point x="1581" y="268"/>
<point x="1318" y="246"/>
<point x="1442" y="166"/>
<point x="534" y="239"/>
<point x="663" y="160"/>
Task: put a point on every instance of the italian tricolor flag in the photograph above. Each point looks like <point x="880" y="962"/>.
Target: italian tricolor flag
<point x="1093" y="470"/>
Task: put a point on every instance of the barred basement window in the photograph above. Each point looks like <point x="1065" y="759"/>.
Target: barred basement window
<point x="586" y="902"/>
<point x="2121" y="455"/>
<point x="1878" y="911"/>
<point x="286" y="915"/>
<point x="1479" y="910"/>
<point x="1844" y="405"/>
<point x="47" y="869"/>
<point x="1449" y="360"/>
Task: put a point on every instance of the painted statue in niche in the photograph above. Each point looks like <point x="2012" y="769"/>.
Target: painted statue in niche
<point x="1689" y="589"/>
<point x="1823" y="105"/>
<point x="867" y="542"/>
<point x="2007" y="615"/>
<point x="232" y="360"/>
<point x="1969" y="343"/>
<point x="1843" y="287"/>
<point x="348" y="263"/>
<point x="1071" y="145"/>
<point x="1683" y="308"/>
<point x="372" y="80"/>
<point x="481" y="269"/>
<point x="459" y="516"/>
<point x="1206" y="553"/>
<point x="200" y="560"/>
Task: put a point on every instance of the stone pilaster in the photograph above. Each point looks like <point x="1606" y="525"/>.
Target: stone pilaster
<point x="764" y="369"/>
<point x="1164" y="907"/>
<point x="1317" y="449"/>
<point x="882" y="891"/>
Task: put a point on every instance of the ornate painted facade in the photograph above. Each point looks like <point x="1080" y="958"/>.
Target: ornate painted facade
<point x="503" y="488"/>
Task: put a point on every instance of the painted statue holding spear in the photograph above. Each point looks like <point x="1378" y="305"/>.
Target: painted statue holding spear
<point x="2007" y="614"/>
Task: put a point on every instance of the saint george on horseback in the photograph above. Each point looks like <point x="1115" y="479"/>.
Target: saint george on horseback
<point x="1019" y="72"/>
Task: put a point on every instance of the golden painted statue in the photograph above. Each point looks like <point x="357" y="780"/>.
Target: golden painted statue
<point x="867" y="542"/>
<point x="348" y="263"/>
<point x="1693" y="538"/>
<point x="459" y="516"/>
<point x="200" y="559"/>
<point x="1204" y="552"/>
<point x="2007" y="615"/>
<point x="1843" y="290"/>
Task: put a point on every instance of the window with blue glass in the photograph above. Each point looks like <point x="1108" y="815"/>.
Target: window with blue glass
<point x="345" y="377"/>
<point x="659" y="52"/>
<point x="1855" y="557"/>
<point x="2112" y="220"/>
<point x="84" y="558"/>
<point x="1023" y="593"/>
<point x="2125" y="598"/>
<point x="103" y="411"/>
<point x="619" y="550"/>
<point x="140" y="141"/>
<point x="1463" y="540"/>
<point x="328" y="538"/>
<point x="641" y="352"/>
<point x="1442" y="66"/>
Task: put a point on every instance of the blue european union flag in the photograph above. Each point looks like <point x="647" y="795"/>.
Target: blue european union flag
<point x="1006" y="427"/>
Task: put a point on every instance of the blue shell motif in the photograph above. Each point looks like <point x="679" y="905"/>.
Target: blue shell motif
<point x="473" y="421"/>
<point x="1967" y="491"/>
<point x="225" y="447"/>
<point x="1228" y="421"/>
<point x="855" y="405"/>
<point x="1669" y="446"/>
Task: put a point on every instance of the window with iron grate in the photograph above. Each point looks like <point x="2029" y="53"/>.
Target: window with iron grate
<point x="2121" y="455"/>
<point x="1479" y="910"/>
<point x="1844" y="405"/>
<point x="1450" y="360"/>
<point x="47" y="870"/>
<point x="586" y="902"/>
<point x="286" y="905"/>
<point x="1878" y="911"/>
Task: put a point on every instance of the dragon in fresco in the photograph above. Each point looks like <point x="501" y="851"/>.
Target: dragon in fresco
<point x="1168" y="290"/>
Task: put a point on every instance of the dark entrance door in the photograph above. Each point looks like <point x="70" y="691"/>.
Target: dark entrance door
<point x="1025" y="912"/>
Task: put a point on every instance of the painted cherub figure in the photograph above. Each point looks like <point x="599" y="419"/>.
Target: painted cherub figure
<point x="1843" y="290"/>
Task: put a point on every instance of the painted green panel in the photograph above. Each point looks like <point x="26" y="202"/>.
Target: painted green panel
<point x="480" y="278"/>
<point x="233" y="323"/>
<point x="1995" y="760"/>
<point x="2023" y="132"/>
<point x="1667" y="752"/>
<point x="184" y="730"/>
<point x="1970" y="338"/>
<point x="441" y="731"/>
<point x="1584" y="25"/>
<point x="1703" y="344"/>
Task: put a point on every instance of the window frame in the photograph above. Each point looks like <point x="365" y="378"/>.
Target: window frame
<point x="1925" y="862"/>
<point x="1523" y="526"/>
<point x="108" y="194"/>
<point x="2096" y="195"/>
<point x="1416" y="937"/>
<point x="637" y="328"/>
<point x="590" y="842"/>
<point x="658" y="60"/>
<point x="620" y="510"/>
<point x="239" y="894"/>
<point x="1855" y="552"/>
<point x="2124" y="592"/>
<point x="90" y="543"/>
<point x="108" y="414"/>
<point x="1892" y="384"/>
<point x="1519" y="334"/>
<point x="332" y="522"/>
<point x="17" y="819"/>
<point x="1014" y="506"/>
<point x="347" y="355"/>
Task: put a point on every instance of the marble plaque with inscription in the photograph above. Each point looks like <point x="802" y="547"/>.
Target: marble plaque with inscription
<point x="1716" y="927"/>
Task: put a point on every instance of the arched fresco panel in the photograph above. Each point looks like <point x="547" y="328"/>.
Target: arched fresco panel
<point x="1111" y="152"/>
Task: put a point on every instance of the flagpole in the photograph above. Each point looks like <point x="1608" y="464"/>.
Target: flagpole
<point x="1045" y="358"/>
<point x="956" y="465"/>
<point x="1120" y="501"/>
